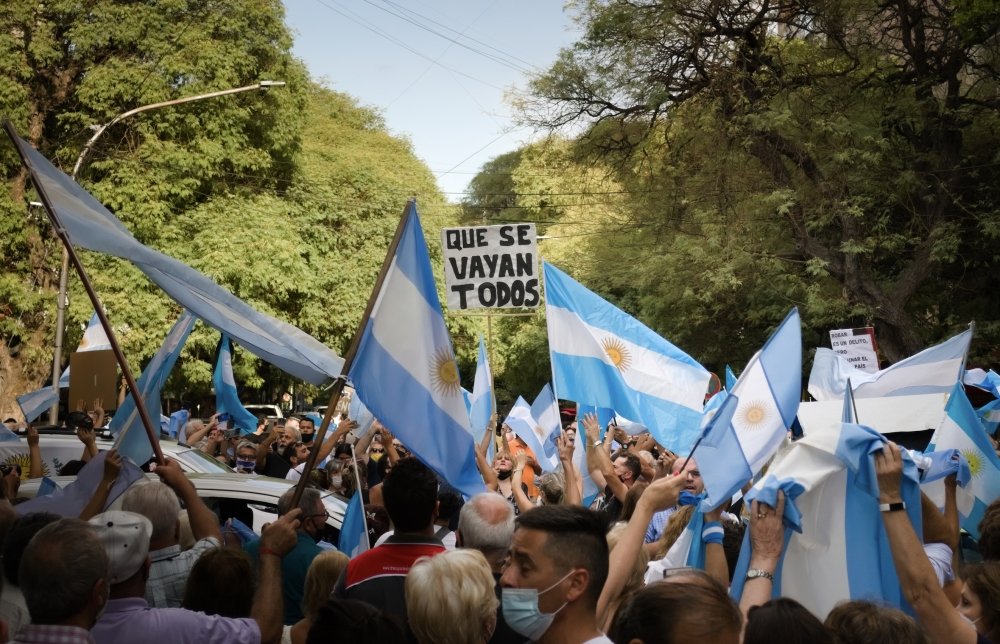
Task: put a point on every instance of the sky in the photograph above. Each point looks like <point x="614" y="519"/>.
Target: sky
<point x="439" y="71"/>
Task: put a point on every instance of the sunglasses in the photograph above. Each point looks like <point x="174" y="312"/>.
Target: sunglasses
<point x="378" y="451"/>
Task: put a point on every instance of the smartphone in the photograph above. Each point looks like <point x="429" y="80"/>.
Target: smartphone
<point x="230" y="433"/>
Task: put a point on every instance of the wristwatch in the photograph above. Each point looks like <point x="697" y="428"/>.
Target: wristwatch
<point x="756" y="573"/>
<point x="598" y="443"/>
<point x="892" y="507"/>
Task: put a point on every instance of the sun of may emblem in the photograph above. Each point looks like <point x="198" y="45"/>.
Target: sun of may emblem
<point x="975" y="460"/>
<point x="753" y="414"/>
<point x="444" y="373"/>
<point x="617" y="353"/>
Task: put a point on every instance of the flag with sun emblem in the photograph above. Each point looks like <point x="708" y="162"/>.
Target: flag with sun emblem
<point x="769" y="390"/>
<point x="602" y="356"/>
<point x="405" y="371"/>
<point x="962" y="430"/>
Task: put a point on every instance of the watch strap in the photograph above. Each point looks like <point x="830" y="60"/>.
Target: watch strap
<point x="892" y="507"/>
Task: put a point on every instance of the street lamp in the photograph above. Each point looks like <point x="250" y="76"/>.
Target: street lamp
<point x="263" y="85"/>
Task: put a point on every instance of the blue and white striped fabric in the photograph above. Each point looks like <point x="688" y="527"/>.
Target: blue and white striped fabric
<point x="602" y="356"/>
<point x="90" y="225"/>
<point x="989" y="414"/>
<point x="933" y="370"/>
<point x="405" y="370"/>
<point x="481" y="400"/>
<point x="94" y="339"/>
<point x="723" y="466"/>
<point x="769" y="390"/>
<point x="227" y="400"/>
<point x="985" y="380"/>
<point x="545" y="411"/>
<point x="962" y="430"/>
<point x="177" y="421"/>
<point x="357" y="412"/>
<point x="730" y="378"/>
<point x="522" y="422"/>
<point x="131" y="439"/>
<point x="35" y="403"/>
<point x="836" y="548"/>
<point x="354" y="532"/>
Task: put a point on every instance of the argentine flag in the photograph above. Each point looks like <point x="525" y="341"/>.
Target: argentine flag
<point x="962" y="430"/>
<point x="602" y="356"/>
<point x="769" y="390"/>
<point x="131" y="439"/>
<point x="226" y="399"/>
<point x="545" y="411"/>
<point x="354" y="532"/>
<point x="357" y="412"/>
<point x="836" y="548"/>
<point x="405" y="370"/>
<point x="481" y="400"/>
<point x="933" y="370"/>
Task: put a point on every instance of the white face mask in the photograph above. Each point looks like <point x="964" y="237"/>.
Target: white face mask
<point x="336" y="481"/>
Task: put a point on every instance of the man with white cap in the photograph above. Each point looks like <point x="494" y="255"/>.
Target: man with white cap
<point x="129" y="619"/>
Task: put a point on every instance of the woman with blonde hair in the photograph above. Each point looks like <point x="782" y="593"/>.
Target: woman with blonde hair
<point x="324" y="571"/>
<point x="450" y="598"/>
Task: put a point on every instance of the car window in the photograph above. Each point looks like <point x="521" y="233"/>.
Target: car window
<point x="199" y="461"/>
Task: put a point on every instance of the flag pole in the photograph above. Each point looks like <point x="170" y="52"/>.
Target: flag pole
<point x="352" y="352"/>
<point x="140" y="404"/>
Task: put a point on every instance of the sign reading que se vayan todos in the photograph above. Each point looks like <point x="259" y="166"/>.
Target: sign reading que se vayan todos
<point x="491" y="267"/>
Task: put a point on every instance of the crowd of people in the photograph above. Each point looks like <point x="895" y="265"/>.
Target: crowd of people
<point x="523" y="561"/>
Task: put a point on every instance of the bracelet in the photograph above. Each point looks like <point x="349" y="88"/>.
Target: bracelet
<point x="264" y="550"/>
<point x="892" y="507"/>
<point x="713" y="532"/>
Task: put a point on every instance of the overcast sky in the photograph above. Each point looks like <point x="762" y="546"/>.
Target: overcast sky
<point x="437" y="70"/>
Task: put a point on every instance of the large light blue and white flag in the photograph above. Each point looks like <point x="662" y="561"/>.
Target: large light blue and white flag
<point x="985" y="380"/>
<point x="521" y="421"/>
<point x="481" y="400"/>
<point x="131" y="438"/>
<point x="769" y="390"/>
<point x="548" y="425"/>
<point x="602" y="356"/>
<point x="962" y="430"/>
<point x="227" y="400"/>
<point x="933" y="370"/>
<point x="72" y="499"/>
<point x="836" y="548"/>
<point x="723" y="466"/>
<point x="405" y="369"/>
<point x="357" y="412"/>
<point x="90" y="225"/>
<point x="354" y="533"/>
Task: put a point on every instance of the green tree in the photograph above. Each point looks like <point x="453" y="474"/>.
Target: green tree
<point x="841" y="152"/>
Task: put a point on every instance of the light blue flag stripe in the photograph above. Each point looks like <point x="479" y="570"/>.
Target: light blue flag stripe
<point x="227" y="399"/>
<point x="35" y="403"/>
<point x="724" y="468"/>
<point x="131" y="439"/>
<point x="730" y="378"/>
<point x="545" y="411"/>
<point x="481" y="398"/>
<point x="90" y="225"/>
<point x="405" y="368"/>
<point x="357" y="412"/>
<point x="989" y="414"/>
<point x="354" y="533"/>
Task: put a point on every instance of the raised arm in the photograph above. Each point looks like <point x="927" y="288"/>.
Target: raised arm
<point x="938" y="616"/>
<point x="767" y="539"/>
<point x="203" y="521"/>
<point x="523" y="502"/>
<point x="276" y="540"/>
<point x="600" y="458"/>
<point x="343" y="427"/>
<point x="489" y="476"/>
<point x="34" y="454"/>
<point x="112" y="466"/>
<point x="571" y="486"/>
<point x="715" y="554"/>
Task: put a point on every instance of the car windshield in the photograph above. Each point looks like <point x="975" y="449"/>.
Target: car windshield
<point x="199" y="461"/>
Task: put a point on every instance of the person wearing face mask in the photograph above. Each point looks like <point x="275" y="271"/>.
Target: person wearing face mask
<point x="558" y="565"/>
<point x="246" y="457"/>
<point x="295" y="564"/>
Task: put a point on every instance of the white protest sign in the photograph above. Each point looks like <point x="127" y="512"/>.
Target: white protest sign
<point x="491" y="267"/>
<point x="857" y="346"/>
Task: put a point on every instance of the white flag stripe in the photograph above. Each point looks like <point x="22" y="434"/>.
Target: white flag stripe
<point x="942" y="373"/>
<point x="401" y="304"/>
<point x="757" y="420"/>
<point x="648" y="372"/>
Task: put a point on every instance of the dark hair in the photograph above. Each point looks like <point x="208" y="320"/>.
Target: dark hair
<point x="79" y="420"/>
<point x="448" y="504"/>
<point x="221" y="582"/>
<point x="575" y="539"/>
<point x="377" y="520"/>
<point x="71" y="468"/>
<point x="676" y="611"/>
<point x="632" y="462"/>
<point x="865" y="622"/>
<point x="784" y="621"/>
<point x="984" y="580"/>
<point x="989" y="532"/>
<point x="631" y="499"/>
<point x="410" y="493"/>
<point x="352" y="621"/>
<point x="343" y="448"/>
<point x="383" y="466"/>
<point x="732" y="543"/>
<point x="17" y="540"/>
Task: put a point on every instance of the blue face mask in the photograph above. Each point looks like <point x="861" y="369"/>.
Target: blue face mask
<point x="520" y="610"/>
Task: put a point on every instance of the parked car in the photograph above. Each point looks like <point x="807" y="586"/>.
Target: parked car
<point x="273" y="412"/>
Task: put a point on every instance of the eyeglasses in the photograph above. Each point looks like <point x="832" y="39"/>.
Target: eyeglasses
<point x="378" y="451"/>
<point x="324" y="514"/>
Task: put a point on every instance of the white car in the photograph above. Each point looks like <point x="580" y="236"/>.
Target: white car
<point x="60" y="448"/>
<point x="251" y="499"/>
